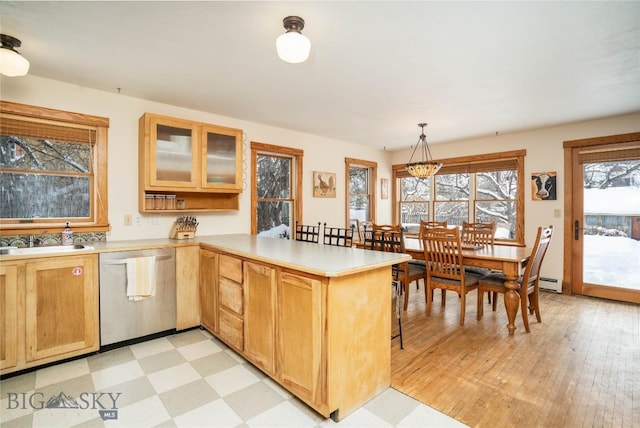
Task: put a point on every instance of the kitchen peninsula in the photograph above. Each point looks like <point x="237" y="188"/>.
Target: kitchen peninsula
<point x="315" y="318"/>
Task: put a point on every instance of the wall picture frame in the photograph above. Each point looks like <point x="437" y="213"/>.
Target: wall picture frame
<point x="543" y="186"/>
<point x="384" y="188"/>
<point x="324" y="184"/>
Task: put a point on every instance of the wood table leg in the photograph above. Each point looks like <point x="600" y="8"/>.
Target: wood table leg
<point x="511" y="297"/>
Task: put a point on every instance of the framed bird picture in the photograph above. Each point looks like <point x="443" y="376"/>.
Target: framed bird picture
<point x="324" y="184"/>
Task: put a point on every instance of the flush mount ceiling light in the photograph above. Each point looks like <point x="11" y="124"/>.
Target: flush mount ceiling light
<point x="11" y="62"/>
<point x="293" y="46"/>
<point x="426" y="167"/>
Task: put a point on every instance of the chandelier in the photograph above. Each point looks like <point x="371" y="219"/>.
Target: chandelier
<point x="426" y="167"/>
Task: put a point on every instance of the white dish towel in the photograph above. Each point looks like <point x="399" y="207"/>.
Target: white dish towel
<point x="141" y="277"/>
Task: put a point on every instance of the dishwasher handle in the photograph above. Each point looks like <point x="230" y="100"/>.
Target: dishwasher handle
<point x="124" y="261"/>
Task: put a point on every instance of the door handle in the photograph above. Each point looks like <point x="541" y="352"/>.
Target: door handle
<point x="576" y="230"/>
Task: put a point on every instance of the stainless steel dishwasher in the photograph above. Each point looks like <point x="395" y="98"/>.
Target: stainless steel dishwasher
<point x="122" y="319"/>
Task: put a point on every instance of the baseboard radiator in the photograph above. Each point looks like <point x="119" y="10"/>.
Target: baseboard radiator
<point x="549" y="284"/>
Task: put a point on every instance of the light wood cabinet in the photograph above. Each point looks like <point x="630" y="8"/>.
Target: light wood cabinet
<point x="272" y="317"/>
<point x="325" y="337"/>
<point x="187" y="295"/>
<point x="8" y="316"/>
<point x="61" y="307"/>
<point x="260" y="315"/>
<point x="209" y="290"/>
<point x="49" y="310"/>
<point x="300" y="318"/>
<point x="198" y="162"/>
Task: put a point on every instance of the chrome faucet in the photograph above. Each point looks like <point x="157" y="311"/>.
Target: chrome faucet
<point x="33" y="241"/>
<point x="30" y="241"/>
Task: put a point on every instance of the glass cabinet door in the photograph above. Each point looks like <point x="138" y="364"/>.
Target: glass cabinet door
<point x="173" y="154"/>
<point x="222" y="158"/>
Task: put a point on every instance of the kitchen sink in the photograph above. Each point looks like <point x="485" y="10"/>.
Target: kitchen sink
<point x="26" y="251"/>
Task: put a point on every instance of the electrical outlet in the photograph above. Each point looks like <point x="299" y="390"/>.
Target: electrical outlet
<point x="154" y="219"/>
<point x="128" y="220"/>
<point x="137" y="219"/>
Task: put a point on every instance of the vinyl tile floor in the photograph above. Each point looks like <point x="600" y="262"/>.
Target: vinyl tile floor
<point x="189" y="379"/>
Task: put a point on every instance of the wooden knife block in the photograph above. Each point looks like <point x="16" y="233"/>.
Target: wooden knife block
<point x="181" y="234"/>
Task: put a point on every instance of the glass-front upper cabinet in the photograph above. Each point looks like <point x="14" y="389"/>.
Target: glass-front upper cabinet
<point x="221" y="158"/>
<point x="198" y="165"/>
<point x="173" y="157"/>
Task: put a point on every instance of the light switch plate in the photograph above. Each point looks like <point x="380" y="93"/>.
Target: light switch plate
<point x="556" y="213"/>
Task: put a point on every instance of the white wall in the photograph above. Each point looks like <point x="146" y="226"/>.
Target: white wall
<point x="320" y="154"/>
<point x="544" y="153"/>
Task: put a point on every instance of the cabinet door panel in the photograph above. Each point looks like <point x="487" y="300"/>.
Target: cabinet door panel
<point x="8" y="316"/>
<point x="173" y="149"/>
<point x="61" y="306"/>
<point x="222" y="158"/>
<point x="187" y="296"/>
<point x="300" y="334"/>
<point x="259" y="317"/>
<point x="209" y="290"/>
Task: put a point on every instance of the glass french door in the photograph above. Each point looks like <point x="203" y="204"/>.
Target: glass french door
<point x="606" y="221"/>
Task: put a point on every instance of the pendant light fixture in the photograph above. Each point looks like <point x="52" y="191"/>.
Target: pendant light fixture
<point x="293" y="46"/>
<point x="427" y="166"/>
<point x="12" y="64"/>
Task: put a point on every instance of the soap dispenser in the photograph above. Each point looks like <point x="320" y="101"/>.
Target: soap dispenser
<point x="67" y="236"/>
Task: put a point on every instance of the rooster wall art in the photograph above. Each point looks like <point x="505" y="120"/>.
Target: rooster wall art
<point x="324" y="184"/>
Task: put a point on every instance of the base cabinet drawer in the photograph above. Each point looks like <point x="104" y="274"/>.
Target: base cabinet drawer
<point x="231" y="328"/>
<point x="231" y="295"/>
<point x="230" y="267"/>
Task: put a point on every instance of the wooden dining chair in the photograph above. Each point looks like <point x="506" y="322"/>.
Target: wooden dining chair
<point x="393" y="242"/>
<point x="478" y="235"/>
<point x="307" y="233"/>
<point x="426" y="225"/>
<point x="361" y="225"/>
<point x="415" y="271"/>
<point x="337" y="236"/>
<point x="529" y="290"/>
<point x="387" y="227"/>
<point x="445" y="267"/>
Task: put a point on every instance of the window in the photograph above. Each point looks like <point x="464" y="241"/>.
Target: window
<point x="53" y="170"/>
<point x="487" y="188"/>
<point x="276" y="194"/>
<point x="361" y="190"/>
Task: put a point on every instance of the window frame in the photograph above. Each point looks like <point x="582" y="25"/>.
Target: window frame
<point x="296" y="155"/>
<point x="371" y="191"/>
<point x="472" y="164"/>
<point x="98" y="219"/>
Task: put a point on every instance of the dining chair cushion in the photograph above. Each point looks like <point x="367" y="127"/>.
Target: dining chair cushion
<point x="497" y="278"/>
<point x="469" y="279"/>
<point x="477" y="270"/>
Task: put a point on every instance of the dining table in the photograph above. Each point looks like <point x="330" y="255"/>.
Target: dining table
<point x="510" y="260"/>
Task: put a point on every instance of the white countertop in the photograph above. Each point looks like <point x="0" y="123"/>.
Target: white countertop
<point x="318" y="259"/>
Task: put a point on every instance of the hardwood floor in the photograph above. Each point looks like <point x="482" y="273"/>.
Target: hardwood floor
<point x="580" y="367"/>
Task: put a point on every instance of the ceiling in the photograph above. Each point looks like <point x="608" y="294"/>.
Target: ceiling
<point x="377" y="69"/>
